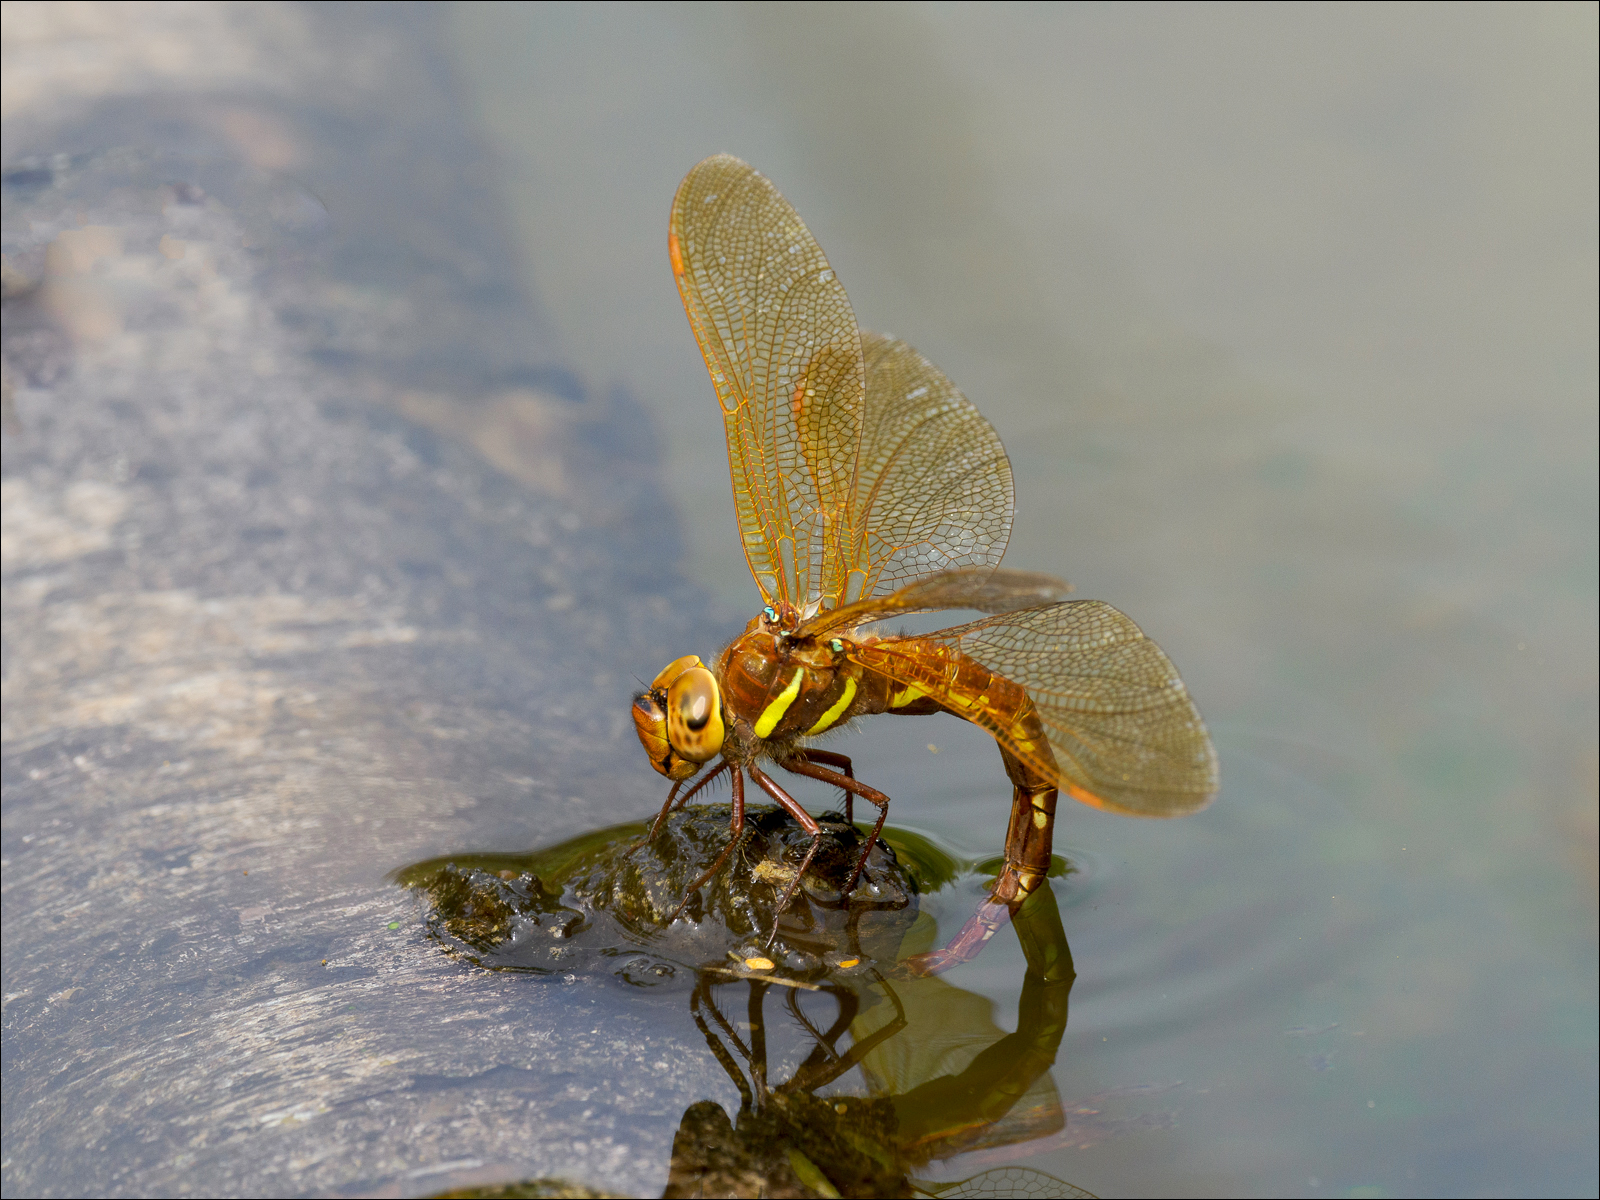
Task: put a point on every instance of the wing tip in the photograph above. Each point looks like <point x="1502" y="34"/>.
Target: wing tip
<point x="1189" y="805"/>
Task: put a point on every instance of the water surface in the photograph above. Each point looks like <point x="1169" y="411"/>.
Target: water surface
<point x="1288" y="321"/>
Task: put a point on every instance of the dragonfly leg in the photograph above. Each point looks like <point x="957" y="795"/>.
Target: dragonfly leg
<point x="806" y="821"/>
<point x="672" y="805"/>
<point x="801" y="1082"/>
<point x="829" y="758"/>
<point x="717" y="1048"/>
<point x="850" y="785"/>
<point x="735" y="835"/>
<point x="823" y="1065"/>
<point x="672" y="796"/>
<point x="758" y="1040"/>
<point x="655" y="826"/>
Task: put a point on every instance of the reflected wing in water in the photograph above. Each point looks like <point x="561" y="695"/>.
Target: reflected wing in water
<point x="1003" y="1181"/>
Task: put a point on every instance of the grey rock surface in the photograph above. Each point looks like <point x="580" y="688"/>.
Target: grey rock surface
<point x="315" y="563"/>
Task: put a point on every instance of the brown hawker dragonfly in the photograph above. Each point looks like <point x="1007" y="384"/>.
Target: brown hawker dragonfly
<point x="866" y="486"/>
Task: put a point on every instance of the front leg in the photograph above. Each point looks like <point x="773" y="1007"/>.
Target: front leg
<point x="806" y="821"/>
<point x="735" y="834"/>
<point x="674" y="802"/>
<point x="850" y="785"/>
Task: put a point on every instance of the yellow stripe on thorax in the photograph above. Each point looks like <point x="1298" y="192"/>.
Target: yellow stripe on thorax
<point x="834" y="713"/>
<point x="768" y="721"/>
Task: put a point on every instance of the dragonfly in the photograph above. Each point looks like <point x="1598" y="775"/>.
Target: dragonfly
<point x="867" y="487"/>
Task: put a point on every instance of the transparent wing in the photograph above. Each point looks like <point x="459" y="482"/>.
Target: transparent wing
<point x="781" y="344"/>
<point x="980" y="588"/>
<point x="1123" y="732"/>
<point x="857" y="466"/>
<point x="1118" y="718"/>
<point x="933" y="488"/>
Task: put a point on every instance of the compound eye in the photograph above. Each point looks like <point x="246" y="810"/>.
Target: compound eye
<point x="694" y="715"/>
<point x="672" y="670"/>
<point x="648" y="710"/>
<point x="650" y="722"/>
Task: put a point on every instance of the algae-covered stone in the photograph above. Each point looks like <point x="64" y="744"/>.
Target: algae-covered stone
<point x="609" y="901"/>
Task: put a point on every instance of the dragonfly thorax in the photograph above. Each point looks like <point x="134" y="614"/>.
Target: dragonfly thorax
<point x="779" y="684"/>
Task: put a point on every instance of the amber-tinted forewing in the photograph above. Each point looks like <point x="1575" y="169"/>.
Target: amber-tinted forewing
<point x="1123" y="732"/>
<point x="978" y="588"/>
<point x="857" y="466"/>
<point x="933" y="488"/>
<point x="780" y="340"/>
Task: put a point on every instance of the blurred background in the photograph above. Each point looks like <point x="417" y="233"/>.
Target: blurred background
<point x="1287" y="316"/>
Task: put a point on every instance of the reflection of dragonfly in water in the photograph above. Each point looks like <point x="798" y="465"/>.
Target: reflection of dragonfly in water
<point x="866" y="486"/>
<point x="943" y="1082"/>
<point x="788" y="1141"/>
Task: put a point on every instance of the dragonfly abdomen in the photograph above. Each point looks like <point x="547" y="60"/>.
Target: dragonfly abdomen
<point x="924" y="676"/>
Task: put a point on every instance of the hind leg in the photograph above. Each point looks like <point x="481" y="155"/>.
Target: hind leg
<point x="850" y="786"/>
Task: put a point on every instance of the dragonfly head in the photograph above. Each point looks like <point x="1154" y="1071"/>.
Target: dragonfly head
<point x="679" y="720"/>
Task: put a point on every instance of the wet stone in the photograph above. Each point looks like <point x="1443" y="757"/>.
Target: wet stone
<point x="484" y="910"/>
<point x="774" y="1151"/>
<point x="608" y="903"/>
